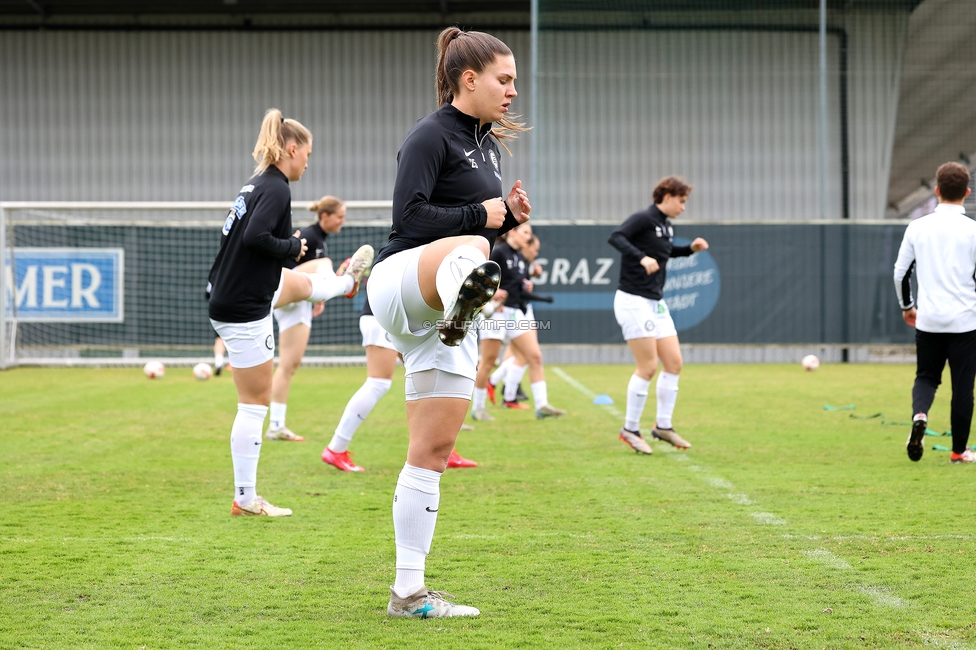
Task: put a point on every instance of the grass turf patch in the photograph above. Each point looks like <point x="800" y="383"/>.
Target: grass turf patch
<point x="783" y="526"/>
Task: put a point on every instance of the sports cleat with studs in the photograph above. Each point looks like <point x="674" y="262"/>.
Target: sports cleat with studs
<point x="475" y="292"/>
<point x="548" y="411"/>
<point x="427" y="604"/>
<point x="284" y="433"/>
<point x="636" y="441"/>
<point x="457" y="460"/>
<point x="520" y="395"/>
<point x="259" y="508"/>
<point x="965" y="457"/>
<point x="467" y="427"/>
<point x="340" y="460"/>
<point x="491" y="392"/>
<point x="670" y="436"/>
<point x="481" y="415"/>
<point x="218" y="370"/>
<point x="515" y="405"/>
<point x="916" y="444"/>
<point x="357" y="267"/>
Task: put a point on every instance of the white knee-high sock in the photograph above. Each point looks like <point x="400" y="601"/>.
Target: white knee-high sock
<point x="245" y="450"/>
<point x="326" y="286"/>
<point x="360" y="405"/>
<point x="479" y="398"/>
<point x="452" y="271"/>
<point x="667" y="395"/>
<point x="278" y="411"/>
<point x="540" y="394"/>
<point x="636" y="398"/>
<point x="498" y="376"/>
<point x="415" y="505"/>
<point x="512" y="381"/>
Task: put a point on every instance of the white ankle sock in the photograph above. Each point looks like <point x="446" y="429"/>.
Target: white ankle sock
<point x="415" y="505"/>
<point x="498" y="376"/>
<point x="453" y="269"/>
<point x="636" y="398"/>
<point x="540" y="394"/>
<point x="326" y="286"/>
<point x="667" y="395"/>
<point x="218" y="361"/>
<point x="245" y="450"/>
<point x="479" y="399"/>
<point x="358" y="408"/>
<point x="277" y="415"/>
<point x="512" y="381"/>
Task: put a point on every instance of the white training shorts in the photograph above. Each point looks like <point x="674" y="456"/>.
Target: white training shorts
<point x="373" y="334"/>
<point x="400" y="309"/>
<point x="642" y="318"/>
<point x="297" y="313"/>
<point x="248" y="344"/>
<point x="506" y="324"/>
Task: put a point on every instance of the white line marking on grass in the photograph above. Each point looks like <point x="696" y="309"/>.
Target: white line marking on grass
<point x="880" y="597"/>
<point x="828" y="558"/>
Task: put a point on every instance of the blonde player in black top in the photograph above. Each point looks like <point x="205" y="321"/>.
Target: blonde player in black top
<point x="247" y="280"/>
<point x="433" y="278"/>
<point x="645" y="243"/>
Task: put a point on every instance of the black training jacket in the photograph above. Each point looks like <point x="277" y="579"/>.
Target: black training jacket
<point x="445" y="169"/>
<point x="648" y="232"/>
<point x="514" y="271"/>
<point x="314" y="238"/>
<point x="257" y="238"/>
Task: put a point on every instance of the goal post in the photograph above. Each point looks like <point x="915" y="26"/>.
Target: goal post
<point x="120" y="283"/>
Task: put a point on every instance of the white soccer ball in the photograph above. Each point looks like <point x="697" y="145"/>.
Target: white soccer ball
<point x="154" y="369"/>
<point x="202" y="371"/>
<point x="810" y="362"/>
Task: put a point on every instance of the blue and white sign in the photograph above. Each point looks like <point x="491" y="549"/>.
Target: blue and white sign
<point x="692" y="287"/>
<point x="59" y="285"/>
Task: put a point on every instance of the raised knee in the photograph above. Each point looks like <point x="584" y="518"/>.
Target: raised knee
<point x="481" y="244"/>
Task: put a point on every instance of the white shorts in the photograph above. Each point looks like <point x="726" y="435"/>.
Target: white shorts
<point x="400" y="309"/>
<point x="248" y="344"/>
<point x="373" y="334"/>
<point x="506" y="324"/>
<point x="297" y="313"/>
<point x="642" y="318"/>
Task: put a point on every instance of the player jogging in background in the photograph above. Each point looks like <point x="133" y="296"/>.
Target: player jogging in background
<point x="940" y="250"/>
<point x="645" y="244"/>
<point x="381" y="358"/>
<point x="433" y="278"/>
<point x="295" y="320"/>
<point x="510" y="324"/>
<point x="247" y="280"/>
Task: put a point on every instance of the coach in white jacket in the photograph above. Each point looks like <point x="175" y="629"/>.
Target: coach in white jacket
<point x="940" y="248"/>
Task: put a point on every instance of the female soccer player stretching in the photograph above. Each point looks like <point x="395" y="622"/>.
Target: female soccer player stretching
<point x="295" y="320"/>
<point x="247" y="280"/>
<point x="645" y="243"/>
<point x="433" y="278"/>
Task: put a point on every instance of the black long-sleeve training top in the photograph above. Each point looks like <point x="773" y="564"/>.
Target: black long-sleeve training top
<point x="514" y="271"/>
<point x="648" y="232"/>
<point x="446" y="168"/>
<point x="315" y="239"/>
<point x="257" y="238"/>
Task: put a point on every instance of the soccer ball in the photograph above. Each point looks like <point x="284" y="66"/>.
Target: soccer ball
<point x="202" y="371"/>
<point x="154" y="369"/>
<point x="810" y="362"/>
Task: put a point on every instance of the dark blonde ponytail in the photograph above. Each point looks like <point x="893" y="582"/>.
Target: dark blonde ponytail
<point x="276" y="133"/>
<point x="458" y="51"/>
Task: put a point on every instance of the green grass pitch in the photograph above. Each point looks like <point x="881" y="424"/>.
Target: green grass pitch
<point x="784" y="526"/>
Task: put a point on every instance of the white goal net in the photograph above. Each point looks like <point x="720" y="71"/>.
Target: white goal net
<point x="122" y="283"/>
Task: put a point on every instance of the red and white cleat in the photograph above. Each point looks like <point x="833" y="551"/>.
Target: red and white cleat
<point x="457" y="460"/>
<point x="340" y="461"/>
